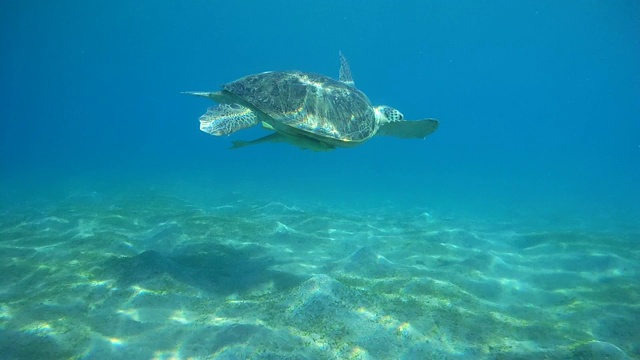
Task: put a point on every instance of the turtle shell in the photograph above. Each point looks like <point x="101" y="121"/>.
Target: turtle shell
<point x="312" y="103"/>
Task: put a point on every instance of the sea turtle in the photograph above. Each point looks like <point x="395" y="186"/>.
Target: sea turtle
<point x="308" y="110"/>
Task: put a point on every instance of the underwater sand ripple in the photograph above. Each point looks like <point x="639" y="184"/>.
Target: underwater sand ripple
<point x="149" y="275"/>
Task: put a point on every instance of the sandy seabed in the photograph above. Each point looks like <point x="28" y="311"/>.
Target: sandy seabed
<point x="154" y="276"/>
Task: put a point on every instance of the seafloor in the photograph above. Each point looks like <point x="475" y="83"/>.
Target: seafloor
<point x="151" y="275"/>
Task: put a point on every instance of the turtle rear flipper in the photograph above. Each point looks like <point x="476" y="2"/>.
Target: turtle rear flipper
<point x="299" y="141"/>
<point x="275" y="137"/>
<point x="225" y="119"/>
<point x="216" y="96"/>
<point x="414" y="129"/>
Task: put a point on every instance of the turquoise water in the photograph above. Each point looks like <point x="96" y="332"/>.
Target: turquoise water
<point x="510" y="233"/>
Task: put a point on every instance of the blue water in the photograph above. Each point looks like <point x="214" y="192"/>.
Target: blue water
<point x="537" y="158"/>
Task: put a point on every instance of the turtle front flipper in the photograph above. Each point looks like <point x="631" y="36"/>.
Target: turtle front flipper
<point x="345" y="71"/>
<point x="225" y="119"/>
<point x="412" y="129"/>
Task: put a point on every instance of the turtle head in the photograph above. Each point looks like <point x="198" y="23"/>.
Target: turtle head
<point x="386" y="114"/>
